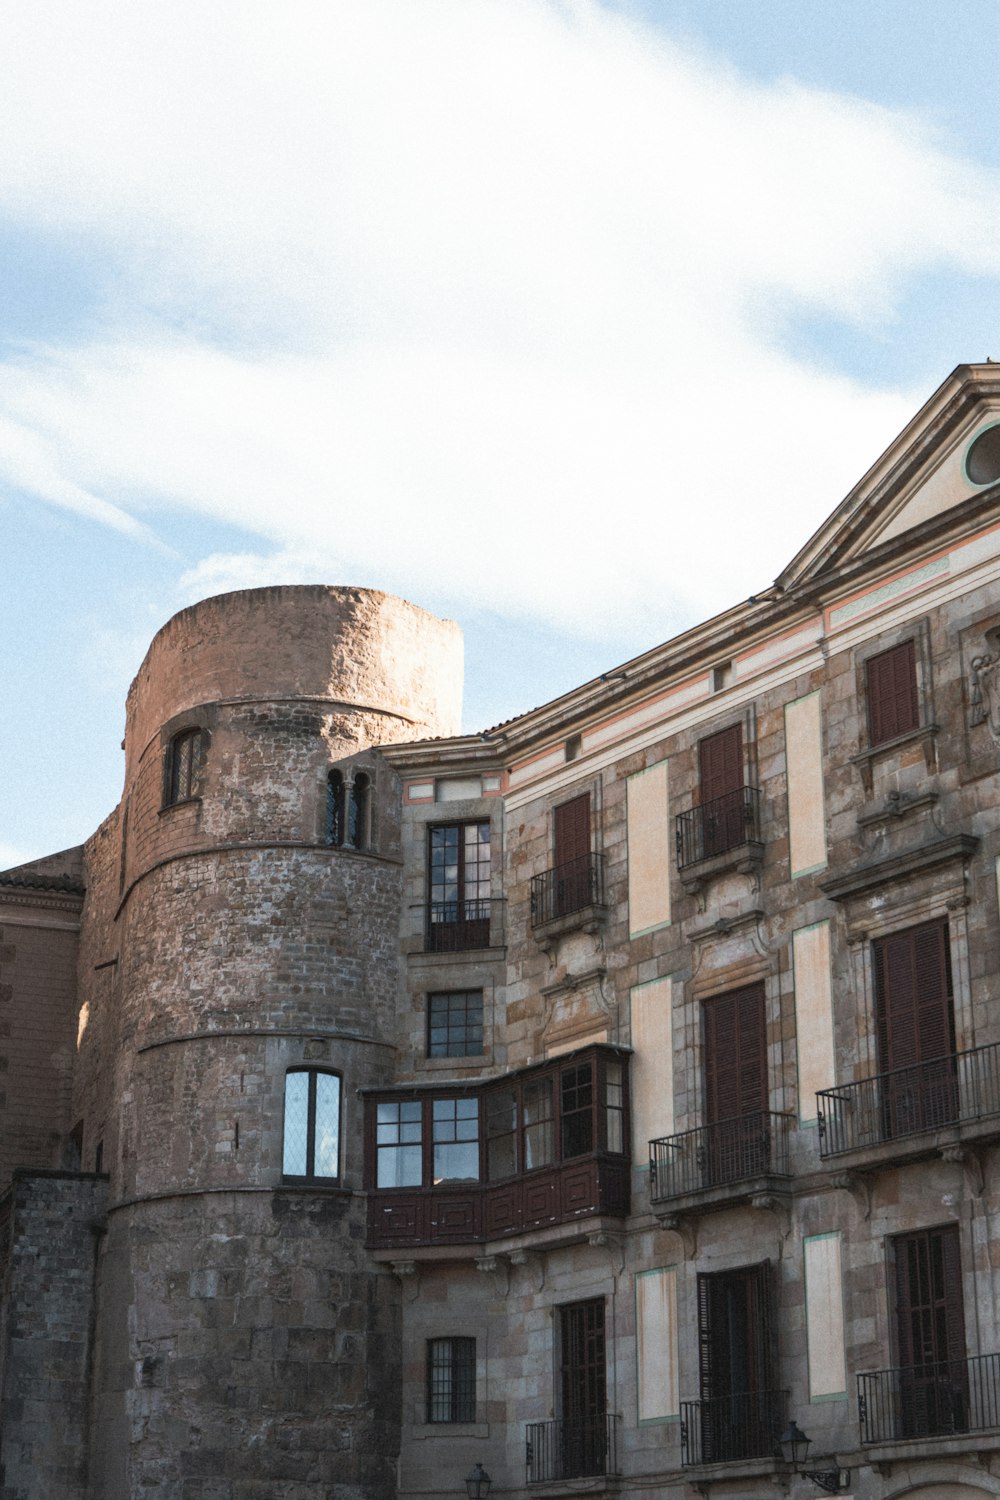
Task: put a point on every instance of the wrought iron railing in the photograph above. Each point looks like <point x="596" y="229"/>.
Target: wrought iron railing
<point x="956" y="1089"/>
<point x="724" y="1429"/>
<point x="456" y="926"/>
<point x="567" y="888"/>
<point x="729" y="1151"/>
<point x="571" y="1450"/>
<point x="939" y="1399"/>
<point x="719" y="825"/>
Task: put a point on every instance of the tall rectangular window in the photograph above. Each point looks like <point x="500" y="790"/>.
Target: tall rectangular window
<point x="455" y="1023"/>
<point x="573" y="888"/>
<point x="399" y="1143"/>
<point x="891" y="690"/>
<point x="458" y="916"/>
<point x="930" y="1332"/>
<point x="720" y="782"/>
<point x="183" y="764"/>
<point x="312" y="1125"/>
<point x="455" y="1134"/>
<point x="916" y="1028"/>
<point x="577" y="1111"/>
<point x="451" y="1380"/>
<point x="735" y="1085"/>
<point x="739" y="1408"/>
<point x="583" y="1382"/>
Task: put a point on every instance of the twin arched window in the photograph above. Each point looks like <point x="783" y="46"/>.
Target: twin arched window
<point x="348" y="810"/>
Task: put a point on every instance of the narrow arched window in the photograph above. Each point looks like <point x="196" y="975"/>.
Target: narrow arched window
<point x="311" y="1151"/>
<point x="335" y="809"/>
<point x="183" y="765"/>
<point x="358" y="812"/>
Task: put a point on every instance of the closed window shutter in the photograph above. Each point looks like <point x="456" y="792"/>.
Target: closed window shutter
<point x="572" y="829"/>
<point x="710" y="1363"/>
<point x="720" y="763"/>
<point x="913" y="996"/>
<point x="891" y="689"/>
<point x="929" y="1307"/>
<point x="735" y="1054"/>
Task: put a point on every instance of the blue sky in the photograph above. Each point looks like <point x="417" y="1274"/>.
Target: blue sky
<point x="513" y="307"/>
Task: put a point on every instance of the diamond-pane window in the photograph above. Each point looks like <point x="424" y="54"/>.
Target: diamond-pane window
<point x="183" y="765"/>
<point x="312" y="1125"/>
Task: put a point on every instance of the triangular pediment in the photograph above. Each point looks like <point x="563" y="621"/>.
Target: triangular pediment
<point x="947" y="455"/>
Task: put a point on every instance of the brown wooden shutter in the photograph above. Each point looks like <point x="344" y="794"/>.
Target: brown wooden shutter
<point x="720" y="763"/>
<point x="735" y="1054"/>
<point x="929" y="1307"/>
<point x="572" y="829"/>
<point x="709" y="1350"/>
<point x="913" y="996"/>
<point x="736" y="1331"/>
<point x="891" y="690"/>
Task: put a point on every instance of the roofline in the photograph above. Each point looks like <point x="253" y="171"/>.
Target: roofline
<point x="895" y="466"/>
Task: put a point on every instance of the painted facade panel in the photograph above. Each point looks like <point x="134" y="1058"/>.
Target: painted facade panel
<point x="652" y="1065"/>
<point x="825" y="1316"/>
<point x="806" y="811"/>
<point x="656" y="1344"/>
<point x="813" y="1014"/>
<point x="649" y="849"/>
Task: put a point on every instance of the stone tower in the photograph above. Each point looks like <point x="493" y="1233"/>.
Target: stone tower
<point x="243" y="916"/>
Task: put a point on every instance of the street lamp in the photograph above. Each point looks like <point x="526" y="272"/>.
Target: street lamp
<point x="795" y="1442"/>
<point x="477" y="1483"/>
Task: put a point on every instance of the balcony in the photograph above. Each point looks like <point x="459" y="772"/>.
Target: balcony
<point x="957" y="1097"/>
<point x="461" y="926"/>
<point x="732" y="1429"/>
<point x="717" y="1164"/>
<point x="948" y="1398"/>
<point x="720" y="835"/>
<point x="568" y="897"/>
<point x="597" y="1184"/>
<point x="571" y="1450"/>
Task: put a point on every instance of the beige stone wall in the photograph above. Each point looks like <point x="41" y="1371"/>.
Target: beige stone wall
<point x="777" y="925"/>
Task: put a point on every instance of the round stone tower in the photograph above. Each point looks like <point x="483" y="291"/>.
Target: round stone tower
<point x="250" y="891"/>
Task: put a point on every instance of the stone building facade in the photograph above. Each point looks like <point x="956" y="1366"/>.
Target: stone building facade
<point x="588" y="1098"/>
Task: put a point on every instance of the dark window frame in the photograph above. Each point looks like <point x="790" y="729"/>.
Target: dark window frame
<point x="465" y="1032"/>
<point x="892" y="692"/>
<point x="451" y="1380"/>
<point x="183" y="764"/>
<point x="311" y="1176"/>
<point x="606" y="1112"/>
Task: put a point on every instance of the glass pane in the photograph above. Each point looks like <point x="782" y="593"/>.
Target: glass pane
<point x="501" y="1126"/>
<point x="539" y="1145"/>
<point x="327" y="1145"/>
<point x="399" y="1166"/>
<point x="456" y="1163"/>
<point x="294" y="1163"/>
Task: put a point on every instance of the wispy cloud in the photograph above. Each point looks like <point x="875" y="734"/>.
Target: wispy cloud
<point x="464" y="297"/>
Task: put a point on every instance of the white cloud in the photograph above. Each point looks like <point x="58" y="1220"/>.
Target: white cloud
<point x="454" y="294"/>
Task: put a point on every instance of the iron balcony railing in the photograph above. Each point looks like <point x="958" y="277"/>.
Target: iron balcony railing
<point x="729" y="1151"/>
<point x="571" y="1450"/>
<point x="956" y="1089"/>
<point x="568" y="888"/>
<point x="719" y="825"/>
<point x="940" y="1399"/>
<point x="456" y="926"/>
<point x="725" y="1429"/>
